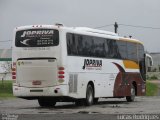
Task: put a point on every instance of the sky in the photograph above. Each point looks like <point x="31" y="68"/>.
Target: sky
<point x="85" y="13"/>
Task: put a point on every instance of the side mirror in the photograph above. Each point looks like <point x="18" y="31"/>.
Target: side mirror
<point x="149" y="60"/>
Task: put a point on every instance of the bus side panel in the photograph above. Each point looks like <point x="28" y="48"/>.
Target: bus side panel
<point x="123" y="84"/>
<point x="103" y="84"/>
<point x="102" y="76"/>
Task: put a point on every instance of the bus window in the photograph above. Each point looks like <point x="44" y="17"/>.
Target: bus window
<point x="122" y="47"/>
<point x="132" y="51"/>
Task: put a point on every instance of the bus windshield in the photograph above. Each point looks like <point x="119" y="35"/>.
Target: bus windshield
<point x="37" y="38"/>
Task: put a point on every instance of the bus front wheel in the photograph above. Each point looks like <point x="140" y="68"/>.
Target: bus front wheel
<point x="133" y="94"/>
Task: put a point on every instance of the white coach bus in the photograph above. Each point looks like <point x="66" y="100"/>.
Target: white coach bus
<point x="53" y="63"/>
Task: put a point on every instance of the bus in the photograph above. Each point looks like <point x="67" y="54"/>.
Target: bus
<point x="54" y="63"/>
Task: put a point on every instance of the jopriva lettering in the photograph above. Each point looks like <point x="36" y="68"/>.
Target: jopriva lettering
<point x="38" y="32"/>
<point x="92" y="63"/>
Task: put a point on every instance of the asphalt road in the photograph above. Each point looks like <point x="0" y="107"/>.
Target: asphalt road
<point x="106" y="109"/>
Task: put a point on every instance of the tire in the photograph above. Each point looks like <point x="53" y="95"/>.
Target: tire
<point x="79" y="102"/>
<point x="95" y="100"/>
<point x="44" y="102"/>
<point x="133" y="94"/>
<point x="89" y="96"/>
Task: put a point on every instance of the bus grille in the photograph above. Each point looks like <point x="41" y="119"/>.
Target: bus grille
<point x="73" y="83"/>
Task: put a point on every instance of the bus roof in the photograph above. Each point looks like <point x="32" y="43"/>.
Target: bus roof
<point x="107" y="33"/>
<point x="81" y="29"/>
<point x="130" y="40"/>
<point x="91" y="30"/>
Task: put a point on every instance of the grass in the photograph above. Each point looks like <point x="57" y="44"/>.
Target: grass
<point x="6" y="89"/>
<point x="151" y="89"/>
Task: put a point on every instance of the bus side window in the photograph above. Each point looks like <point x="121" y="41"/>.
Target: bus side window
<point x="69" y="43"/>
<point x="132" y="51"/>
<point x="122" y="48"/>
<point x="72" y="44"/>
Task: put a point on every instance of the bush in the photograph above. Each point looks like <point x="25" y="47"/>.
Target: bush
<point x="153" y="77"/>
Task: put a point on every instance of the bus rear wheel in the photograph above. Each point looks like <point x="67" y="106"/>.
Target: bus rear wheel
<point x="95" y="100"/>
<point x="89" y="95"/>
<point x="133" y="94"/>
<point x="45" y="102"/>
<point x="79" y="102"/>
